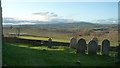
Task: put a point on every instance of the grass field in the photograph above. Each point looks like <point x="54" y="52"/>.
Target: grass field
<point x="18" y="54"/>
<point x="87" y="38"/>
<point x="64" y="32"/>
<point x="39" y="38"/>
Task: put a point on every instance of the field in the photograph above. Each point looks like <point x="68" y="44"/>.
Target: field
<point x="21" y="54"/>
<point x="64" y="32"/>
<point x="18" y="54"/>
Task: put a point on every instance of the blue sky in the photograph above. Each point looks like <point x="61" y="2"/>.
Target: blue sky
<point x="78" y="11"/>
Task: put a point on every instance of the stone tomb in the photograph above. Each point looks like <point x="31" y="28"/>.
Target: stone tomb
<point x="95" y="39"/>
<point x="105" y="47"/>
<point x="81" y="46"/>
<point x="92" y="47"/>
<point x="73" y="43"/>
<point x="49" y="43"/>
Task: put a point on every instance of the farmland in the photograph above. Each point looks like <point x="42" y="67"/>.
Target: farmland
<point x="28" y="55"/>
<point x="64" y="32"/>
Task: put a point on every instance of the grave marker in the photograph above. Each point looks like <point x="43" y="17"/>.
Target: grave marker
<point x="92" y="47"/>
<point x="105" y="47"/>
<point x="49" y="43"/>
<point x="81" y="46"/>
<point x="95" y="39"/>
<point x="73" y="43"/>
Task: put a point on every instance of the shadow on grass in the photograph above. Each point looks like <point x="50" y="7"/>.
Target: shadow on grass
<point x="13" y="55"/>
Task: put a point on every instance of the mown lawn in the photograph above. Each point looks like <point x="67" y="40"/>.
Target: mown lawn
<point x="17" y="54"/>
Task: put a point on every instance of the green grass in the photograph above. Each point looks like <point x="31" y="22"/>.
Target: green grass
<point x="39" y="38"/>
<point x="87" y="38"/>
<point x="17" y="54"/>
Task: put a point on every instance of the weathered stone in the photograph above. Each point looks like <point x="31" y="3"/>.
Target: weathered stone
<point x="105" y="47"/>
<point x="73" y="43"/>
<point x="49" y="43"/>
<point x="78" y="62"/>
<point x="95" y="39"/>
<point x="81" y="46"/>
<point x="92" y="47"/>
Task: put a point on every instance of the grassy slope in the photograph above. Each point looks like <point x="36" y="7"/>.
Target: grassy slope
<point x="87" y="38"/>
<point x="39" y="38"/>
<point x="21" y="56"/>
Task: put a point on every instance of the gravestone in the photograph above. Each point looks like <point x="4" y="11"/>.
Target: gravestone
<point x="49" y="43"/>
<point x="92" y="47"/>
<point x="95" y="39"/>
<point x="117" y="57"/>
<point x="81" y="46"/>
<point x="105" y="47"/>
<point x="73" y="43"/>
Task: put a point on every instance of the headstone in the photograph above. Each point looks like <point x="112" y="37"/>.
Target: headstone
<point x="81" y="46"/>
<point x="92" y="47"/>
<point x="105" y="47"/>
<point x="95" y="39"/>
<point x="49" y="43"/>
<point x="117" y="58"/>
<point x="73" y="43"/>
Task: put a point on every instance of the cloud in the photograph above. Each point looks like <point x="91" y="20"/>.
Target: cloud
<point x="106" y="21"/>
<point x="50" y="14"/>
<point x="25" y="23"/>
<point x="37" y="18"/>
<point x="46" y="16"/>
<point x="53" y="15"/>
<point x="22" y="23"/>
<point x="7" y="23"/>
<point x="40" y="13"/>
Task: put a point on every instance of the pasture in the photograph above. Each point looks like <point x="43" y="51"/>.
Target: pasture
<point x="64" y="32"/>
<point x="26" y="54"/>
<point x="87" y="38"/>
<point x="19" y="54"/>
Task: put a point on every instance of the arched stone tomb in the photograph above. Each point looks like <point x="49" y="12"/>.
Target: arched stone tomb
<point x="105" y="47"/>
<point x="49" y="43"/>
<point x="92" y="47"/>
<point x="73" y="43"/>
<point x="95" y="39"/>
<point x="81" y="46"/>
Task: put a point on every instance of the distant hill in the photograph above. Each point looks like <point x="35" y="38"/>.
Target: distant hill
<point x="64" y="25"/>
<point x="59" y="25"/>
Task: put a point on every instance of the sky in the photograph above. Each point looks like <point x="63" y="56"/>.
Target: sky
<point x="96" y="12"/>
